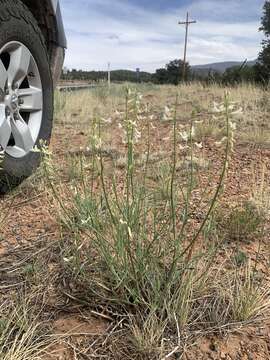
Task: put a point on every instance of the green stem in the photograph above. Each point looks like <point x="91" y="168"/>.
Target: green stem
<point x="220" y="184"/>
<point x="173" y="212"/>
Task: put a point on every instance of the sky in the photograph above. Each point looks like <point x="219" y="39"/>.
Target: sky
<point x="145" y="34"/>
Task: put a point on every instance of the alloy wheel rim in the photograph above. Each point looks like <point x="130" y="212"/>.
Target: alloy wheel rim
<point x="21" y="100"/>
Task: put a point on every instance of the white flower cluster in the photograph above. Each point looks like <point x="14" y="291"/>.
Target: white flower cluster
<point x="185" y="135"/>
<point x="230" y="110"/>
<point x="106" y="121"/>
<point x="132" y="118"/>
<point x="96" y="141"/>
<point x="167" y="114"/>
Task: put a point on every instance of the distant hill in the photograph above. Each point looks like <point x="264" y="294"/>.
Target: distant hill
<point x="221" y="66"/>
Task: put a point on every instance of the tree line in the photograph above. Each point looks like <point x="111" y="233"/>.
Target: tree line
<point x="172" y="73"/>
<point x="100" y="76"/>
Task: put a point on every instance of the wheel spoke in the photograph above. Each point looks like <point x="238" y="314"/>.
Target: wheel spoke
<point x="3" y="76"/>
<point x="5" y="128"/>
<point x="19" y="65"/>
<point x="21" y="133"/>
<point x="31" y="99"/>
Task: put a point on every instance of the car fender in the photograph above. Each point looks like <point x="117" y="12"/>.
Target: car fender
<point x="61" y="37"/>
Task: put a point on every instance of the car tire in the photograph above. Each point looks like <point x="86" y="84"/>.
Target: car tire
<point x="17" y="25"/>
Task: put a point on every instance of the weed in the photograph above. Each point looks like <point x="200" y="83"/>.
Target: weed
<point x="102" y="94"/>
<point x="240" y="258"/>
<point x="147" y="335"/>
<point x="208" y="129"/>
<point x="21" y="335"/>
<point x="248" y="298"/>
<point x="260" y="192"/>
<point x="256" y="135"/>
<point x="74" y="167"/>
<point x="242" y="222"/>
<point x="60" y="102"/>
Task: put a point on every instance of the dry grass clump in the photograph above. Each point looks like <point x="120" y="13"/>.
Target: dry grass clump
<point x="248" y="296"/>
<point x="241" y="222"/>
<point x="260" y="193"/>
<point x="238" y="296"/>
<point x="256" y="135"/>
<point x="210" y="128"/>
<point x="22" y="336"/>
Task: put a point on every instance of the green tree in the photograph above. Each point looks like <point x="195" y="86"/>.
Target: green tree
<point x="116" y="76"/>
<point x="172" y="73"/>
<point x="175" y="71"/>
<point x="238" y="74"/>
<point x="263" y="66"/>
<point x="161" y="76"/>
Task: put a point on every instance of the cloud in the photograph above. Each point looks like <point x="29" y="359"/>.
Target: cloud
<point x="130" y="35"/>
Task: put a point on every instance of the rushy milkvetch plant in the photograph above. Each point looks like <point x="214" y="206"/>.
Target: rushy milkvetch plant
<point x="144" y="241"/>
<point x="146" y="248"/>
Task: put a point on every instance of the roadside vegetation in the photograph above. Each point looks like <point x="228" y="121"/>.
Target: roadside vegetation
<point x="144" y="231"/>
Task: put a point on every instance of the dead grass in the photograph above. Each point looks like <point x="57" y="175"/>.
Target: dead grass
<point x="22" y="334"/>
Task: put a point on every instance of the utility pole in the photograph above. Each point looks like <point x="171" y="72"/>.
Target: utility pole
<point x="186" y="23"/>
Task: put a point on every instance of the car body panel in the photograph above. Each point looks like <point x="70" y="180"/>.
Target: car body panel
<point x="49" y="17"/>
<point x="62" y="41"/>
<point x="54" y="4"/>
